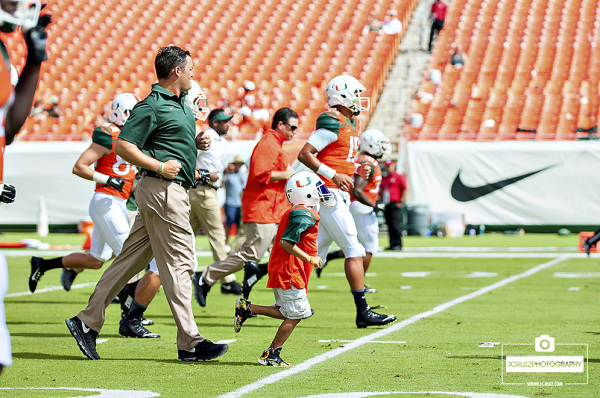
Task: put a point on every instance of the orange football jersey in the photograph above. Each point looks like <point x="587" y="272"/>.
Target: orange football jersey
<point x="285" y="269"/>
<point x="112" y="165"/>
<point x="372" y="188"/>
<point x="339" y="155"/>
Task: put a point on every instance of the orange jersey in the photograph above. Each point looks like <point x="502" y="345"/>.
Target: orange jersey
<point x="300" y="225"/>
<point x="112" y="165"/>
<point x="372" y="188"/>
<point x="6" y="99"/>
<point x="339" y="155"/>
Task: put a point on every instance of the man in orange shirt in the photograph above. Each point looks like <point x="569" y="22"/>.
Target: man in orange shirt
<point x="330" y="151"/>
<point x="263" y="202"/>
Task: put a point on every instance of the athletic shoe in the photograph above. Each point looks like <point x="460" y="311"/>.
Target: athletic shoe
<point x="585" y="245"/>
<point x="242" y="312"/>
<point x="67" y="277"/>
<point x="231" y="288"/>
<point x="201" y="289"/>
<point x="147" y="322"/>
<point x="318" y="270"/>
<point x="204" y="351"/>
<point x="252" y="275"/>
<point x="370" y="290"/>
<point x="85" y="337"/>
<point x="370" y="318"/>
<point x="271" y="357"/>
<point x="133" y="328"/>
<point x="36" y="273"/>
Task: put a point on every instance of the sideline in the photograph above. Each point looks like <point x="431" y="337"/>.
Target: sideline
<point x="383" y="332"/>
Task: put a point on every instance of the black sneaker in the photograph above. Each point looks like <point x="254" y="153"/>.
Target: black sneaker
<point x="36" y="273"/>
<point x="204" y="351"/>
<point x="201" y="289"/>
<point x="370" y="318"/>
<point x="85" y="337"/>
<point x="585" y="245"/>
<point x="271" y="357"/>
<point x="242" y="312"/>
<point x="252" y="275"/>
<point x="67" y="277"/>
<point x="134" y="328"/>
<point x="318" y="270"/>
<point x="231" y="288"/>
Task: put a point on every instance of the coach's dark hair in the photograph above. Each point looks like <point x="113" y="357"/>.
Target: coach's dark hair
<point x="167" y="59"/>
<point x="283" y="115"/>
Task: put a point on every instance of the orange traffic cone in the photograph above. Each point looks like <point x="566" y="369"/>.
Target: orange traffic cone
<point x="87" y="227"/>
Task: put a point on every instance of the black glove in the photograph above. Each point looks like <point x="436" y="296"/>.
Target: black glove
<point x="36" y="38"/>
<point x="204" y="178"/>
<point x="8" y="193"/>
<point x="116" y="182"/>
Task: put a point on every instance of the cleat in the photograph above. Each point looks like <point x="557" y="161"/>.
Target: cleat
<point x="85" y="337"/>
<point x="252" y="275"/>
<point x="67" y="277"/>
<point x="147" y="322"/>
<point x="318" y="270"/>
<point x="271" y="357"/>
<point x="242" y="312"/>
<point x="204" y="351"/>
<point x="370" y="290"/>
<point x="201" y="289"/>
<point x="586" y="246"/>
<point x="133" y="328"/>
<point x="231" y="288"/>
<point x="36" y="273"/>
<point x="370" y="318"/>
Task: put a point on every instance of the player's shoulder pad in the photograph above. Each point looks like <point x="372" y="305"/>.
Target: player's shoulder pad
<point x="103" y="135"/>
<point x="329" y="120"/>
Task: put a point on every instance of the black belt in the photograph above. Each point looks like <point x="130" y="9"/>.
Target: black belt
<point x="156" y="175"/>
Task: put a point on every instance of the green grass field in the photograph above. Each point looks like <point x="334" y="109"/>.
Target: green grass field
<point x="450" y="295"/>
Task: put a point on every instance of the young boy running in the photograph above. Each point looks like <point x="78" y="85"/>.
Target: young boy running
<point x="290" y="263"/>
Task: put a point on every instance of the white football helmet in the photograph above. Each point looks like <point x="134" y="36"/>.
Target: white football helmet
<point x="121" y="107"/>
<point x="306" y="188"/>
<point x="374" y="142"/>
<point x="345" y="90"/>
<point x="24" y="13"/>
<point x="198" y="101"/>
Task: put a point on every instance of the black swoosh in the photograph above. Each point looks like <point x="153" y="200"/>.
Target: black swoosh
<point x="463" y="193"/>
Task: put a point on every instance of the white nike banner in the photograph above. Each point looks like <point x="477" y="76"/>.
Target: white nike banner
<point x="507" y="183"/>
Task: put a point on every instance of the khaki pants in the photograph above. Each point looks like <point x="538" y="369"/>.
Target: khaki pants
<point x="206" y="214"/>
<point x="161" y="230"/>
<point x="259" y="238"/>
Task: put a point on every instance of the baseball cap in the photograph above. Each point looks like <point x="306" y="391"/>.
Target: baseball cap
<point x="218" y="114"/>
<point x="388" y="162"/>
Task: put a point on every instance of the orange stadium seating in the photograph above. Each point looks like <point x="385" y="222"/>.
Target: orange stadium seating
<point x="289" y="48"/>
<point x="532" y="72"/>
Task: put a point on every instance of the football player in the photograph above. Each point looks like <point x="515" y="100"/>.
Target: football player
<point x="114" y="179"/>
<point x="16" y="99"/>
<point x="330" y="151"/>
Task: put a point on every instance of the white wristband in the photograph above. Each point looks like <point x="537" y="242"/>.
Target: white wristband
<point x="100" y="178"/>
<point x="326" y="171"/>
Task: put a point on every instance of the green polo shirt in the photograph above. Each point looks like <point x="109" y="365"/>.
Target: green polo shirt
<point x="163" y="127"/>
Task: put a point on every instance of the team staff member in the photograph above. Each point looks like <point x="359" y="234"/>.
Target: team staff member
<point x="206" y="211"/>
<point x="15" y="104"/>
<point x="263" y="203"/>
<point x="160" y="138"/>
<point x="393" y="190"/>
<point x="330" y="151"/>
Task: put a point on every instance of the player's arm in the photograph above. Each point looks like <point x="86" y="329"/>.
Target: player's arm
<point x="88" y="157"/>
<point x="35" y="39"/>
<point x="358" y="191"/>
<point x="294" y="250"/>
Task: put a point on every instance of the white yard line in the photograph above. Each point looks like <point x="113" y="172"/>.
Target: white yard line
<point x="51" y="289"/>
<point x="275" y="377"/>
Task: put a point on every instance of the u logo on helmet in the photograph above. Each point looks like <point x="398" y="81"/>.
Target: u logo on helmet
<point x="307" y="183"/>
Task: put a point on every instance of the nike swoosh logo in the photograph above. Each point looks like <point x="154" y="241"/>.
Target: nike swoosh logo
<point x="463" y="193"/>
<point x="86" y="330"/>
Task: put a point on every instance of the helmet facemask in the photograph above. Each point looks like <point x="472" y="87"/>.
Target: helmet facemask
<point x="24" y="13"/>
<point x="197" y="101"/>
